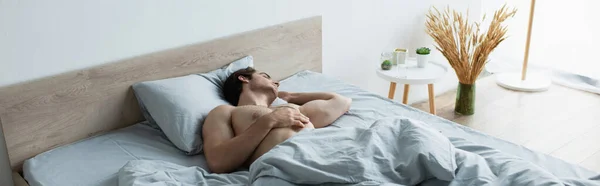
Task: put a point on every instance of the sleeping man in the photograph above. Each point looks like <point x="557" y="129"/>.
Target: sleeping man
<point x="235" y="136"/>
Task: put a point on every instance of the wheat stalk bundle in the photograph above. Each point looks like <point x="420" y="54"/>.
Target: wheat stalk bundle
<point x="463" y="43"/>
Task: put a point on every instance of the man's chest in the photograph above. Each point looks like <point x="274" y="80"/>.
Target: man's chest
<point x="244" y="116"/>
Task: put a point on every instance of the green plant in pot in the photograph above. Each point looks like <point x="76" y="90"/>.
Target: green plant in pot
<point x="386" y="65"/>
<point x="466" y="48"/>
<point x="422" y="56"/>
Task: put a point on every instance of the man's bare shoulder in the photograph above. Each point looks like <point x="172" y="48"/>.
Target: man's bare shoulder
<point x="221" y="110"/>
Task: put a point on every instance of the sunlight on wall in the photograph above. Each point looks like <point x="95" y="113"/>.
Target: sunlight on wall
<point x="562" y="38"/>
<point x="565" y="36"/>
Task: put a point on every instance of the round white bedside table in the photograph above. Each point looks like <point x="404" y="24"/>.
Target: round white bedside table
<point x="412" y="75"/>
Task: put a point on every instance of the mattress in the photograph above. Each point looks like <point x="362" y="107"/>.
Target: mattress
<point x="96" y="161"/>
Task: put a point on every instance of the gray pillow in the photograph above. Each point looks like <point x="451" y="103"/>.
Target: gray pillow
<point x="179" y="105"/>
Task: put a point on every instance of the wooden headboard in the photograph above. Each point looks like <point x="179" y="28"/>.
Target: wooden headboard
<point x="46" y="113"/>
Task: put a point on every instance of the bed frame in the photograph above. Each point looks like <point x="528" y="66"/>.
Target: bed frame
<point x="46" y="113"/>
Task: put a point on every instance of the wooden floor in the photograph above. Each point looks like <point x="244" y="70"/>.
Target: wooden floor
<point x="562" y="122"/>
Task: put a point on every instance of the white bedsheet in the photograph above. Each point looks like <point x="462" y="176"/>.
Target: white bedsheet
<point x="368" y="107"/>
<point x="393" y="151"/>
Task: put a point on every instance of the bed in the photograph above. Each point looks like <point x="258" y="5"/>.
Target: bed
<point x="143" y="142"/>
<point x="120" y="136"/>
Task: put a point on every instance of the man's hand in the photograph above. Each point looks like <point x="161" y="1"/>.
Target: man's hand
<point x="284" y="117"/>
<point x="323" y="108"/>
<point x="284" y="95"/>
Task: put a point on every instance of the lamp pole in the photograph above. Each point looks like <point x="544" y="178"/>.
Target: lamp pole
<point x="528" y="42"/>
<point x="532" y="82"/>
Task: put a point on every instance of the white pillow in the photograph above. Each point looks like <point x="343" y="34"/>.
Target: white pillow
<point x="180" y="105"/>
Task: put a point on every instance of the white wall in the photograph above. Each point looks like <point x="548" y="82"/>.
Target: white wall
<point x="42" y="38"/>
<point x="356" y="33"/>
<point x="564" y="36"/>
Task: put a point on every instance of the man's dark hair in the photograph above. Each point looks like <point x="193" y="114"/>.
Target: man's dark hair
<point x="232" y="88"/>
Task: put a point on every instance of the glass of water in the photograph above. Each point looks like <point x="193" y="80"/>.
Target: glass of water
<point x="402" y="64"/>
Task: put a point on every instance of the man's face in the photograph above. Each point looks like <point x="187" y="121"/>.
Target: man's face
<point x="262" y="81"/>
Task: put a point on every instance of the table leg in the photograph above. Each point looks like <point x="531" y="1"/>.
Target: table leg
<point x="405" y="98"/>
<point x="431" y="99"/>
<point x="392" y="90"/>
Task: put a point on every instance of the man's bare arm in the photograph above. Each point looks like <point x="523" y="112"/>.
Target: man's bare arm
<point x="224" y="151"/>
<point x="321" y="107"/>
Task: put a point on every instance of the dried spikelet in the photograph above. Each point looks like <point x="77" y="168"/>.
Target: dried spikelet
<point x="462" y="42"/>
